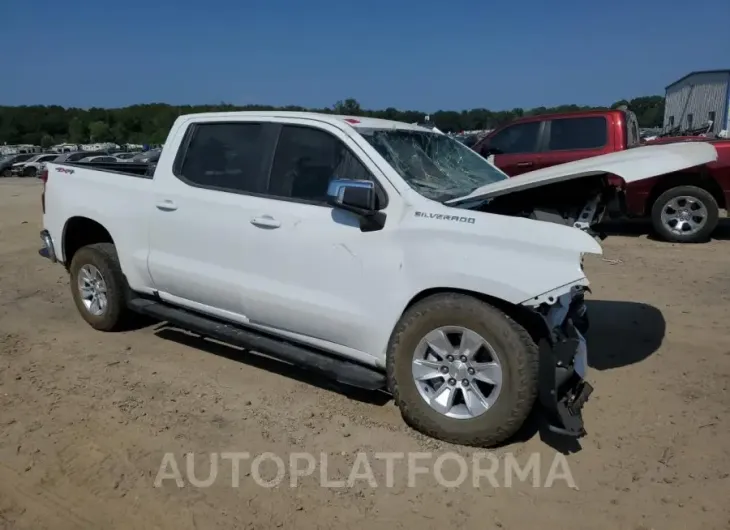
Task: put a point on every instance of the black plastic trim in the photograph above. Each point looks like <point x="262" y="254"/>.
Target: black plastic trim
<point x="137" y="170"/>
<point x="339" y="369"/>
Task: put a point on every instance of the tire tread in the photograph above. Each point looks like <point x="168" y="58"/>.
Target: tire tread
<point x="104" y="257"/>
<point x="526" y="364"/>
<point x="713" y="212"/>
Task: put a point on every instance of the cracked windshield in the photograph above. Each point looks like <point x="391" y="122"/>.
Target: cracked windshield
<point x="436" y="166"/>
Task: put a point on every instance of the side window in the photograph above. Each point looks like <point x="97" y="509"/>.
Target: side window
<point x="518" y="138"/>
<point x="307" y="159"/>
<point x="690" y="119"/>
<point x="48" y="158"/>
<point x="223" y="155"/>
<point x="671" y="121"/>
<point x="578" y="133"/>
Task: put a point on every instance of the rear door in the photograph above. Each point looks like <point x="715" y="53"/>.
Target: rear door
<point x="201" y="221"/>
<point x="515" y="148"/>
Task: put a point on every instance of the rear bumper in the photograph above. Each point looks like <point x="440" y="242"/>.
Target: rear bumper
<point x="47" y="249"/>
<point x="563" y="390"/>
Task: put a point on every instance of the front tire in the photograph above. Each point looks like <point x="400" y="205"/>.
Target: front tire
<point x="485" y="394"/>
<point x="98" y="287"/>
<point x="685" y="214"/>
<point x="30" y="171"/>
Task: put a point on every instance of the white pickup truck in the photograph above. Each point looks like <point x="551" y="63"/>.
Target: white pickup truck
<point x="381" y="254"/>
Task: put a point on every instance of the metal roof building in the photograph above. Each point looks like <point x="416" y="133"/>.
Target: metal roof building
<point x="697" y="98"/>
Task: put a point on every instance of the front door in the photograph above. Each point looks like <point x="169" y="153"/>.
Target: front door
<point x="314" y="267"/>
<point x="514" y="149"/>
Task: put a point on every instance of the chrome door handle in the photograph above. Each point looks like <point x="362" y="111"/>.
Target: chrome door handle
<point x="166" y="206"/>
<point x="265" y="221"/>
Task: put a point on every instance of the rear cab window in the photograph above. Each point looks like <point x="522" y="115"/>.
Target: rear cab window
<point x="225" y="156"/>
<point x="569" y="134"/>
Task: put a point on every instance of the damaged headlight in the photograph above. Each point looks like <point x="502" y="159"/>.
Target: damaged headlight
<point x="569" y="306"/>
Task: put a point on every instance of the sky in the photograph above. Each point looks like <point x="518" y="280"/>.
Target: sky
<point x="421" y="55"/>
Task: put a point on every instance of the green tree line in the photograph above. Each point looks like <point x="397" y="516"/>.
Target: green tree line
<point x="140" y="124"/>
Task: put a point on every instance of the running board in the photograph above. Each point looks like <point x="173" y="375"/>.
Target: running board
<point x="339" y="369"/>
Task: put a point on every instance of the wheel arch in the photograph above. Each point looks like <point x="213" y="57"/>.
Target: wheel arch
<point x="700" y="180"/>
<point x="533" y="323"/>
<point x="79" y="232"/>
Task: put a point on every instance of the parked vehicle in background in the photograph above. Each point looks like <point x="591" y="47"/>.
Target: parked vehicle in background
<point x="125" y="155"/>
<point x="683" y="206"/>
<point x="32" y="166"/>
<point x="468" y="140"/>
<point x="74" y="156"/>
<point x="6" y="162"/>
<point x="100" y="158"/>
<point x="313" y="237"/>
<point x="68" y="157"/>
<point x="151" y="156"/>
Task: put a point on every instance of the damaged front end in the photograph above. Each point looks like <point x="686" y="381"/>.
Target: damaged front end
<point x="581" y="204"/>
<point x="563" y="390"/>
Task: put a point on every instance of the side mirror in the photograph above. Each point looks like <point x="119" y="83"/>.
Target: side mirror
<point x="358" y="197"/>
<point x="355" y="195"/>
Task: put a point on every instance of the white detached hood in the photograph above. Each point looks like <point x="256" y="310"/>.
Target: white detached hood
<point x="634" y="164"/>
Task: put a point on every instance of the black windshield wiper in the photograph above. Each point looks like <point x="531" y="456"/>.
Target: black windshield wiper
<point x="466" y="203"/>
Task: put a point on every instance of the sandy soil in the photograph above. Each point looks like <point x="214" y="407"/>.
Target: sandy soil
<point x="86" y="417"/>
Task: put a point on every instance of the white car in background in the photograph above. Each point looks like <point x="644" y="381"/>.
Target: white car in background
<point x="100" y="158"/>
<point x="33" y="166"/>
<point x="126" y="157"/>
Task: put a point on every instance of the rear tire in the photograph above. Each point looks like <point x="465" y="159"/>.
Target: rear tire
<point x="671" y="205"/>
<point x="516" y="354"/>
<point x="95" y="269"/>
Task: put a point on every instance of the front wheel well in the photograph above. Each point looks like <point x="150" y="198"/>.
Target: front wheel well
<point x="700" y="180"/>
<point x="533" y="323"/>
<point x="80" y="232"/>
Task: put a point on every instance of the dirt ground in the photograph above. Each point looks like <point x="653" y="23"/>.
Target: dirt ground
<point x="86" y="417"/>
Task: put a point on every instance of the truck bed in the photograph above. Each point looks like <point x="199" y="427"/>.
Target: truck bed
<point x="135" y="169"/>
<point x="94" y="192"/>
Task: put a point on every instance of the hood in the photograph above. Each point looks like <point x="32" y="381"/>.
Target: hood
<point x="632" y="165"/>
<point x="503" y="231"/>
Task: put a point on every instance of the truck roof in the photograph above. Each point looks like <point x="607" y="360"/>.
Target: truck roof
<point x="335" y="119"/>
<point x="569" y="114"/>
